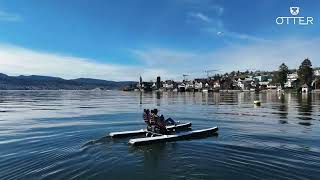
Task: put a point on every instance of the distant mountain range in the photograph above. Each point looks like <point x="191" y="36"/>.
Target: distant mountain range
<point x="35" y="82"/>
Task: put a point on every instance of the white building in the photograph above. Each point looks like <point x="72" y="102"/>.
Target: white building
<point x="264" y="83"/>
<point x="305" y="88"/>
<point x="316" y="72"/>
<point x="240" y="84"/>
<point x="154" y="85"/>
<point x="168" y="86"/>
<point x="182" y="87"/>
<point x="292" y="75"/>
<point x="216" y="84"/>
<point x="290" y="79"/>
<point x="270" y="86"/>
<point x="198" y="85"/>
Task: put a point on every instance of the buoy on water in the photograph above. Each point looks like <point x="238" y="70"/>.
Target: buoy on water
<point x="257" y="103"/>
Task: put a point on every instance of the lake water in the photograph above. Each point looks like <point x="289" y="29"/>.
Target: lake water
<point x="63" y="135"/>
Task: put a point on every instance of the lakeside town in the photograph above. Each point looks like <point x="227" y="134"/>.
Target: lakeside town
<point x="304" y="79"/>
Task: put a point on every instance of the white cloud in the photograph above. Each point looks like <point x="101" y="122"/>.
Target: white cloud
<point x="268" y="55"/>
<point x="164" y="62"/>
<point x="16" y="60"/>
<point x="5" y="16"/>
<point x="211" y="13"/>
<point x="216" y="27"/>
<point x="259" y="55"/>
<point x="214" y="23"/>
<point x="201" y="16"/>
<point x="233" y="35"/>
<point x="204" y="5"/>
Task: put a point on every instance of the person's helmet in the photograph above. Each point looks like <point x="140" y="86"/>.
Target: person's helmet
<point x="155" y="111"/>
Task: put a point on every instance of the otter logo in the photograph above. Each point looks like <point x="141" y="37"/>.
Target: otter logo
<point x="294" y="19"/>
<point x="294" y="10"/>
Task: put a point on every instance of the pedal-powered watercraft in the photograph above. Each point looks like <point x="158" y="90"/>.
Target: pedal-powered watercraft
<point x="175" y="137"/>
<point x="144" y="131"/>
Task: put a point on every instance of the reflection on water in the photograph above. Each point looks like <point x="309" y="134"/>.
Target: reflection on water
<point x="283" y="108"/>
<point x="63" y="135"/>
<point x="305" y="109"/>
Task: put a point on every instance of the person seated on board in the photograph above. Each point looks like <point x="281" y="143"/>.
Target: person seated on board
<point x="160" y="123"/>
<point x="154" y="118"/>
<point x="168" y="121"/>
<point x="146" y="116"/>
<point x="150" y="119"/>
<point x="162" y="126"/>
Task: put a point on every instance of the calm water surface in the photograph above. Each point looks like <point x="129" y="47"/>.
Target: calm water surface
<point x="63" y="135"/>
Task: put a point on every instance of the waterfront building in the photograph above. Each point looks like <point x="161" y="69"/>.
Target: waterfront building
<point x="264" y="83"/>
<point x="147" y="86"/>
<point x="216" y="84"/>
<point x="168" y="85"/>
<point x="158" y="82"/>
<point x="240" y="84"/>
<point x="198" y="86"/>
<point x="291" y="80"/>
<point x="271" y="86"/>
<point x="245" y="83"/>
<point x="305" y="88"/>
<point x="182" y="87"/>
<point x="189" y="86"/>
<point x="316" y="72"/>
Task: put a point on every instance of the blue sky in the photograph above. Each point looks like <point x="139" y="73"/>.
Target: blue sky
<point x="120" y="40"/>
